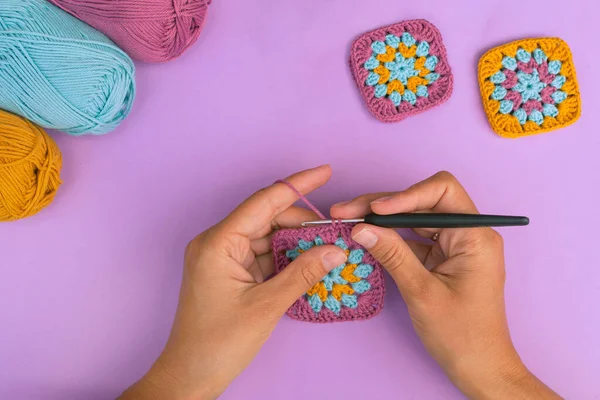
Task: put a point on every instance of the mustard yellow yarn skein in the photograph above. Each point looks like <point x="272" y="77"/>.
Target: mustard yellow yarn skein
<point x="30" y="163"/>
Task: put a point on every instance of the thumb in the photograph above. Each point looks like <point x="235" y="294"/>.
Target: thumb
<point x="412" y="278"/>
<point x="303" y="273"/>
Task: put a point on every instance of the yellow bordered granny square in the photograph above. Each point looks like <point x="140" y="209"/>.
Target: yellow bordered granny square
<point x="529" y="87"/>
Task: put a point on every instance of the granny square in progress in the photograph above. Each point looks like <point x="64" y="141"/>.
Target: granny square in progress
<point x="351" y="291"/>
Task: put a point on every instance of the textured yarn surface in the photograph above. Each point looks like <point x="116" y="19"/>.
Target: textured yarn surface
<point x="529" y="87"/>
<point x="59" y="72"/>
<point x="148" y="30"/>
<point x="401" y="70"/>
<point x="30" y="165"/>
<point x="351" y="291"/>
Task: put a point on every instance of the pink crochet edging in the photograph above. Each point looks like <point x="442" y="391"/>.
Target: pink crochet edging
<point x="382" y="108"/>
<point x="370" y="303"/>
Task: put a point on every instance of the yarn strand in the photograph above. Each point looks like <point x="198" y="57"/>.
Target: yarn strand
<point x="302" y="197"/>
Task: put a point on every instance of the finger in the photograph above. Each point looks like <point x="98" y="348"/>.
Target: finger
<point x="427" y="233"/>
<point x="260" y="267"/>
<point x="420" y="249"/>
<point x="302" y="274"/>
<point x="361" y="206"/>
<point x="261" y="208"/>
<point x="441" y="193"/>
<point x="357" y="207"/>
<point x="255" y="270"/>
<point x="290" y="218"/>
<point x="413" y="280"/>
<point x="262" y="245"/>
<point x="293" y="217"/>
<point x="266" y="264"/>
<point x="435" y="258"/>
<point x="430" y="255"/>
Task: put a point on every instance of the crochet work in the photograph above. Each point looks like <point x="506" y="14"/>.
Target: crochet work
<point x="529" y="87"/>
<point x="351" y="291"/>
<point x="401" y="69"/>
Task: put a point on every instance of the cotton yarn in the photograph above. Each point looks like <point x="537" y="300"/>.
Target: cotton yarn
<point x="30" y="165"/>
<point x="59" y="72"/>
<point x="148" y="30"/>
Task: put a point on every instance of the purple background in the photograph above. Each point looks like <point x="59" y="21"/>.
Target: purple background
<point x="88" y="288"/>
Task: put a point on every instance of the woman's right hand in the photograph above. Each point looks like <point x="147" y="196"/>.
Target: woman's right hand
<point x="454" y="288"/>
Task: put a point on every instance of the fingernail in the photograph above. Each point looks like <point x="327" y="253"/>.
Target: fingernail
<point x="381" y="199"/>
<point x="259" y="278"/>
<point x="343" y="203"/>
<point x="333" y="259"/>
<point x="366" y="238"/>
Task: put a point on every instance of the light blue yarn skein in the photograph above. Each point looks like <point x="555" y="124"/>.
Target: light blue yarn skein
<point x="59" y="72"/>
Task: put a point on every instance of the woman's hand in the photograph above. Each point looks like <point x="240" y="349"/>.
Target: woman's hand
<point x="226" y="311"/>
<point x="454" y="289"/>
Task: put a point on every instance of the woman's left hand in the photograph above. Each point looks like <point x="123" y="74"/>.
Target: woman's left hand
<point x="226" y="309"/>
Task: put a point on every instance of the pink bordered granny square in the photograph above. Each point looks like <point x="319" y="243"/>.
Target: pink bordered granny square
<point x="351" y="291"/>
<point x="401" y="69"/>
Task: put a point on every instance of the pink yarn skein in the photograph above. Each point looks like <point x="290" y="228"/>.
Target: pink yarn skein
<point x="148" y="30"/>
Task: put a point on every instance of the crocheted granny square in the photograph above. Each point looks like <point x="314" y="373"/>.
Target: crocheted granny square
<point x="351" y="291"/>
<point x="529" y="87"/>
<point x="401" y="69"/>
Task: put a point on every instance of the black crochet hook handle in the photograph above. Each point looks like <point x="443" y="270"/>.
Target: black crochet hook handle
<point x="435" y="220"/>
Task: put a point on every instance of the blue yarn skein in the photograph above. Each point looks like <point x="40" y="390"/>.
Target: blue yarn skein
<point x="59" y="72"/>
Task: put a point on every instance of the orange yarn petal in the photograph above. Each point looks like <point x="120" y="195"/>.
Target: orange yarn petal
<point x="395" y="85"/>
<point x="406" y="51"/>
<point x="420" y="63"/>
<point x="388" y="56"/>
<point x="348" y="273"/>
<point x="424" y="72"/>
<point x="384" y="74"/>
<point x="339" y="289"/>
<point x="314" y="289"/>
<point x="322" y="292"/>
<point x="415" y="81"/>
<point x="319" y="289"/>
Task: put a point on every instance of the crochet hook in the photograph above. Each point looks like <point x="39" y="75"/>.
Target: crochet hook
<point x="429" y="220"/>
